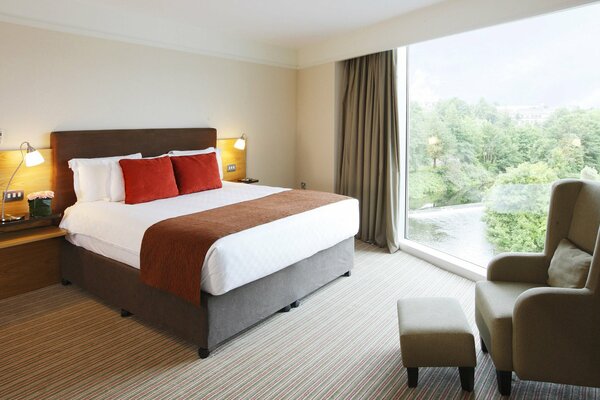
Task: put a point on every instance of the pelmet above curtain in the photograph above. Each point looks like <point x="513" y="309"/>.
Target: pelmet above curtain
<point x="370" y="154"/>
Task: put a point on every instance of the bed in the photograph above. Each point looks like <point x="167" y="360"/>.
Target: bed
<point x="226" y="308"/>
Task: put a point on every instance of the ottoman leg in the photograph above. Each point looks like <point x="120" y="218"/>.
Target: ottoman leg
<point x="467" y="377"/>
<point x="504" y="382"/>
<point x="413" y="377"/>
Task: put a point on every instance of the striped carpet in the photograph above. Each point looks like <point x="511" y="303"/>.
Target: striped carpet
<point x="341" y="343"/>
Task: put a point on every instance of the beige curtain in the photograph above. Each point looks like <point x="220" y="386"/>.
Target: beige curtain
<point x="370" y="154"/>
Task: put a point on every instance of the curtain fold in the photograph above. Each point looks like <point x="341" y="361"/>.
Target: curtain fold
<point x="369" y="167"/>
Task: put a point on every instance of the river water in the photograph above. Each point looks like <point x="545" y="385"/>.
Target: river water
<point x="456" y="230"/>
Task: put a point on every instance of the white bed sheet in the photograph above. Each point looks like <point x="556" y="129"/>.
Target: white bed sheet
<point x="115" y="230"/>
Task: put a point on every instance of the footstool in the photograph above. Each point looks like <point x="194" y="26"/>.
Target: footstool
<point x="434" y="332"/>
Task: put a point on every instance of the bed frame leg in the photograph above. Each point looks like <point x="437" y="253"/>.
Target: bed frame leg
<point x="65" y="282"/>
<point x="295" y="304"/>
<point x="286" y="308"/>
<point x="125" y="313"/>
<point x="203" y="353"/>
<point x="348" y="273"/>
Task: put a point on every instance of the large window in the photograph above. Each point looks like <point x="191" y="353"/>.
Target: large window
<point x="495" y="116"/>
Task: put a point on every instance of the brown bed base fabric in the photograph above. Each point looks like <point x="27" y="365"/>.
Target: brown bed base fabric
<point x="173" y="250"/>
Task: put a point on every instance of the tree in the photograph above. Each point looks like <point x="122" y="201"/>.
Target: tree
<point x="425" y="187"/>
<point x="590" y="173"/>
<point x="583" y="124"/>
<point x="457" y="150"/>
<point x="517" y="207"/>
<point x="464" y="182"/>
<point x="417" y="154"/>
<point x="567" y="158"/>
<point x="531" y="144"/>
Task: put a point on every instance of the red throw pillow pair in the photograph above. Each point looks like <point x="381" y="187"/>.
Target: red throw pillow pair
<point x="163" y="177"/>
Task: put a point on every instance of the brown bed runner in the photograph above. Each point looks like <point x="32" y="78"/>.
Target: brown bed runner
<point x="173" y="250"/>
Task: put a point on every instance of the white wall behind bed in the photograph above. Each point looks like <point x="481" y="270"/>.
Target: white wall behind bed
<point x="59" y="81"/>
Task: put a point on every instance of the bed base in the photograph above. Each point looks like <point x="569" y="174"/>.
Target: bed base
<point x="218" y="318"/>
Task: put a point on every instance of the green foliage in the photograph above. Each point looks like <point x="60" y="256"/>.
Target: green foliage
<point x="527" y="174"/>
<point x="464" y="183"/>
<point x="460" y="153"/>
<point x="577" y="124"/>
<point x="425" y="187"/>
<point x="517" y="206"/>
<point x="498" y="151"/>
<point x="517" y="231"/>
<point x="590" y="174"/>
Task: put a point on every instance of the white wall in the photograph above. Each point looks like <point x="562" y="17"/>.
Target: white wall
<point x="315" y="146"/>
<point x="59" y="81"/>
<point x="115" y="21"/>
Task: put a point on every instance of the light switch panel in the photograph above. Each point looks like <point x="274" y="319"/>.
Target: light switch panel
<point x="14" y="195"/>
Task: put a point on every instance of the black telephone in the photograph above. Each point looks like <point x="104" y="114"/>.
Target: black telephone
<point x="248" y="180"/>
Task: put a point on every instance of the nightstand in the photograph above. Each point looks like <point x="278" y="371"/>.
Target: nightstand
<point x="29" y="259"/>
<point x="28" y="223"/>
<point x="248" y="180"/>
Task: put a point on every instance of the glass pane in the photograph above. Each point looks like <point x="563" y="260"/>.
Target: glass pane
<point x="495" y="117"/>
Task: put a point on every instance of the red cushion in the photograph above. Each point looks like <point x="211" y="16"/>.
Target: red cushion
<point x="148" y="179"/>
<point x="196" y="173"/>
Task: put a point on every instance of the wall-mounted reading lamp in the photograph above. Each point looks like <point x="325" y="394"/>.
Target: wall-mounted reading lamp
<point x="32" y="157"/>
<point x="240" y="144"/>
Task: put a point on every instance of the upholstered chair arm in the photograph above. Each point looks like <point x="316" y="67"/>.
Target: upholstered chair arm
<point x="555" y="336"/>
<point x="519" y="267"/>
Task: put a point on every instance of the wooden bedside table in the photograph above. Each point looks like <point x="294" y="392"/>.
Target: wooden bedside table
<point x="29" y="259"/>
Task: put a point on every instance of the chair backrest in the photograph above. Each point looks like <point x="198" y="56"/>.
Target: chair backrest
<point x="586" y="217"/>
<point x="593" y="282"/>
<point x="575" y="214"/>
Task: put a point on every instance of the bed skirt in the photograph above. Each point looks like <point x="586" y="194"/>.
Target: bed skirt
<point x="218" y="318"/>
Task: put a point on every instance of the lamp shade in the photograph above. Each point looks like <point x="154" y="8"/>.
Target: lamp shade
<point x="240" y="144"/>
<point x="33" y="158"/>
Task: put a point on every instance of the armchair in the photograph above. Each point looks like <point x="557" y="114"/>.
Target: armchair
<point x="545" y="333"/>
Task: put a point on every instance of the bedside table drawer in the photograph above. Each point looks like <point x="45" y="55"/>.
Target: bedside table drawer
<point x="29" y="266"/>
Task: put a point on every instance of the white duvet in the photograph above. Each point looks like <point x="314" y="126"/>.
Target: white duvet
<point x="115" y="230"/>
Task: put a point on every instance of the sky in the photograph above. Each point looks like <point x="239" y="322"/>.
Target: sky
<point x="551" y="60"/>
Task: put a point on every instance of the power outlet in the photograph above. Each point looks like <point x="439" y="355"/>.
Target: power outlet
<point x="231" y="168"/>
<point x="303" y="185"/>
<point x="14" y="195"/>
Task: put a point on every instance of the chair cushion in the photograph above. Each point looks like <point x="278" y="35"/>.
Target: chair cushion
<point x="569" y="267"/>
<point x="495" y="302"/>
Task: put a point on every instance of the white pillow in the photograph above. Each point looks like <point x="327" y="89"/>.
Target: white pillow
<point x="204" y="151"/>
<point x="99" y="179"/>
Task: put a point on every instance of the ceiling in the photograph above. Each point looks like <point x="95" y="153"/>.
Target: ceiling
<point x="271" y="32"/>
<point x="285" y="23"/>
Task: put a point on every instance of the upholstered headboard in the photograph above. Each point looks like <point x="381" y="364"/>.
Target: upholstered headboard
<point x="106" y="143"/>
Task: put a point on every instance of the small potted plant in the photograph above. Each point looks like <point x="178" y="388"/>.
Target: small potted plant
<point x="40" y="203"/>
